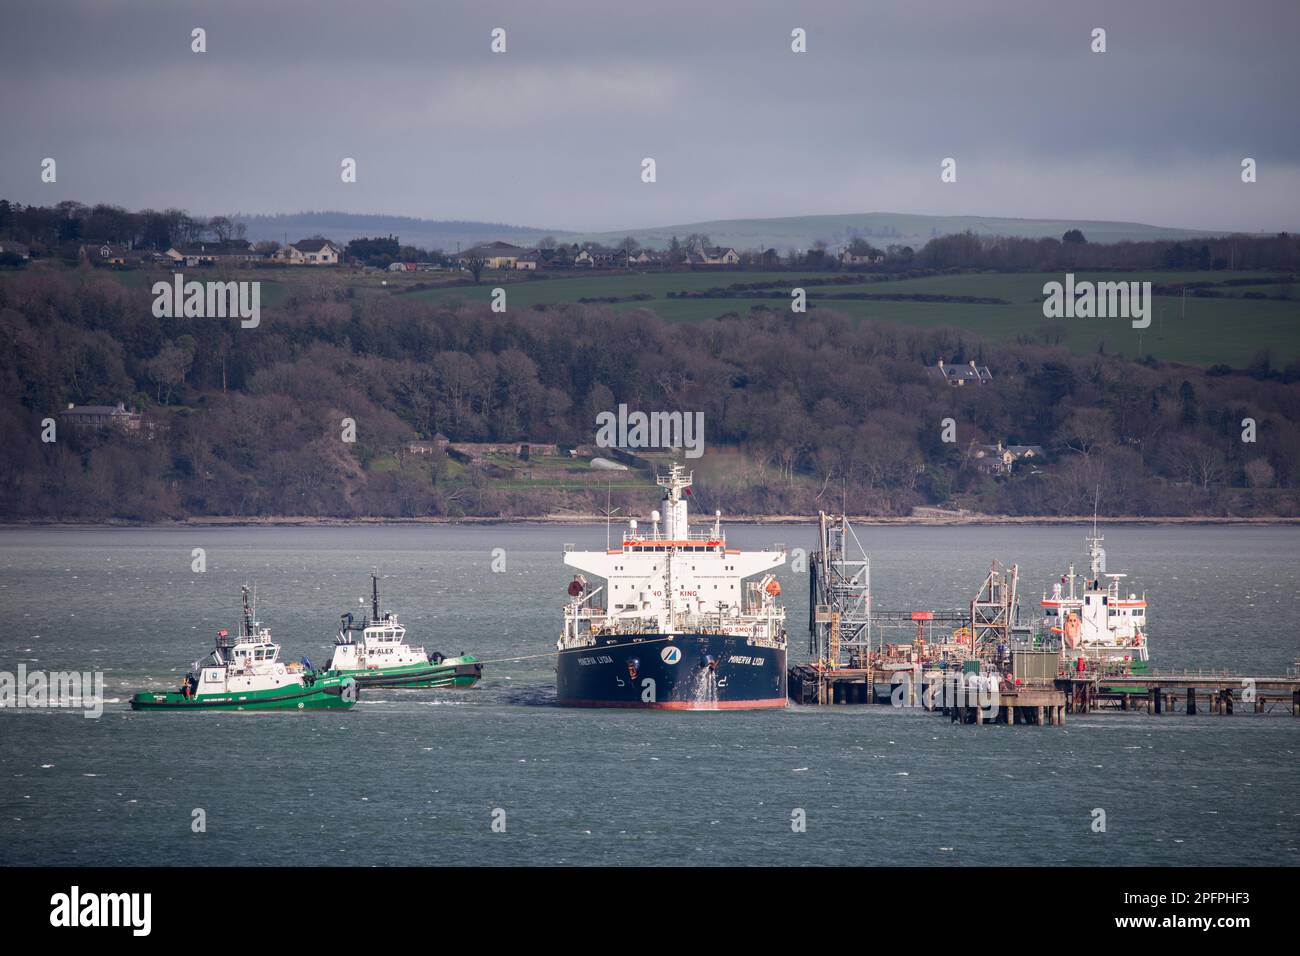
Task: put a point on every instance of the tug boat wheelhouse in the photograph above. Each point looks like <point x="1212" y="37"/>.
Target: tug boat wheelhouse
<point x="380" y="656"/>
<point x="244" y="672"/>
<point x="680" y="627"/>
<point x="1098" y="623"/>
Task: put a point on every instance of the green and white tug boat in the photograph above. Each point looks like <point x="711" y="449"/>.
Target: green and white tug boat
<point x="245" y="673"/>
<point x="375" y="654"/>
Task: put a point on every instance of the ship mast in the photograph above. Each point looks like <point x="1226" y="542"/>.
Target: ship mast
<point x="249" y="612"/>
<point x="674" y="483"/>
<point x="676" y="528"/>
<point x="1095" y="551"/>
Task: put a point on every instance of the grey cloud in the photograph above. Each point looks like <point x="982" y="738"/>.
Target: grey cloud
<point x="553" y="132"/>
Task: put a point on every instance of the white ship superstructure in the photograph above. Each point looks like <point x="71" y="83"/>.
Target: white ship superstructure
<point x="1098" y="621"/>
<point x="382" y="643"/>
<point x="674" y="580"/>
<point x="247" y="662"/>
<point x="676" y="623"/>
<point x="376" y="654"/>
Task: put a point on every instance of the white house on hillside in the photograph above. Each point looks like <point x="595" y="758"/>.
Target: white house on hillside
<point x="310" y="252"/>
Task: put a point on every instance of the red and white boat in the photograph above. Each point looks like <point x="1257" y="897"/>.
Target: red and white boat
<point x="1097" y="621"/>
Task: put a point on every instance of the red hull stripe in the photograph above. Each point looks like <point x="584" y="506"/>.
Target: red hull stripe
<point x="764" y="704"/>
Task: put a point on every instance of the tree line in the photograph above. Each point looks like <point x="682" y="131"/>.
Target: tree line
<point x="58" y="231"/>
<point x="800" y="411"/>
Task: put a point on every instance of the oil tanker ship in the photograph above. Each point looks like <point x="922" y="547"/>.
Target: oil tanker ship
<point x="676" y="625"/>
<point x="1098" y="623"/>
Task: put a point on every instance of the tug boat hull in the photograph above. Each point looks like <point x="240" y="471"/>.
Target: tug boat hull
<point x="452" y="672"/>
<point x="672" y="672"/>
<point x="326" y="693"/>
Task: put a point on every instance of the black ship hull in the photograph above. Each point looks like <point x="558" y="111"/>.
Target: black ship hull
<point x="672" y="672"/>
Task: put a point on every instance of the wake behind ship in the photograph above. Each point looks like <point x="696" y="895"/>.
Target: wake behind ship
<point x="675" y="626"/>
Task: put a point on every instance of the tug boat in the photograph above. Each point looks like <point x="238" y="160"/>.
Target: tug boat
<point x="375" y="654"/>
<point x="1098" y="624"/>
<point x="680" y="628"/>
<point x="244" y="672"/>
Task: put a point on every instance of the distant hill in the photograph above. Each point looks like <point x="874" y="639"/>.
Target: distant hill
<point x="797" y="232"/>
<point x="447" y="235"/>
<point x="883" y="228"/>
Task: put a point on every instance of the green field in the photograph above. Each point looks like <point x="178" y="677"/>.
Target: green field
<point x="1198" y="331"/>
<point x="1230" y="329"/>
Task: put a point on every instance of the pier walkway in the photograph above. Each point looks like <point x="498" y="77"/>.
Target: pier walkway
<point x="1047" y="701"/>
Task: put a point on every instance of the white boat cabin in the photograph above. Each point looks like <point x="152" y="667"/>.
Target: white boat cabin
<point x="1100" y="622"/>
<point x="249" y="661"/>
<point x="381" y="644"/>
<point x="674" y="580"/>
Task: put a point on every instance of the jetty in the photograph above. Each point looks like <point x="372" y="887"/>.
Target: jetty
<point x="980" y="664"/>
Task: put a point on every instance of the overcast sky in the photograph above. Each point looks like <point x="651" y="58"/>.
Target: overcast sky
<point x="552" y="133"/>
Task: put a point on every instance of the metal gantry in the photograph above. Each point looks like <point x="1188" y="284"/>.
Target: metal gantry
<point x="993" y="610"/>
<point x="839" y="576"/>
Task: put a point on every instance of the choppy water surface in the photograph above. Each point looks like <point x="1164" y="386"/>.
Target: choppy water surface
<point x="413" y="777"/>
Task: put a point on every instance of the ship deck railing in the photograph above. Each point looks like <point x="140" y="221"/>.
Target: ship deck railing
<point x="712" y="622"/>
<point x="707" y="535"/>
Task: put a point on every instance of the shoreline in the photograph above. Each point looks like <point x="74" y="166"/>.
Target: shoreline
<point x="924" y="521"/>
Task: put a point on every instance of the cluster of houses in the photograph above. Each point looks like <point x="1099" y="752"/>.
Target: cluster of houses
<point x="1002" y="459"/>
<point x="305" y="252"/>
<point x="492" y="255"/>
<point x="999" y="459"/>
<point x="504" y="255"/>
<point x="323" y="252"/>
